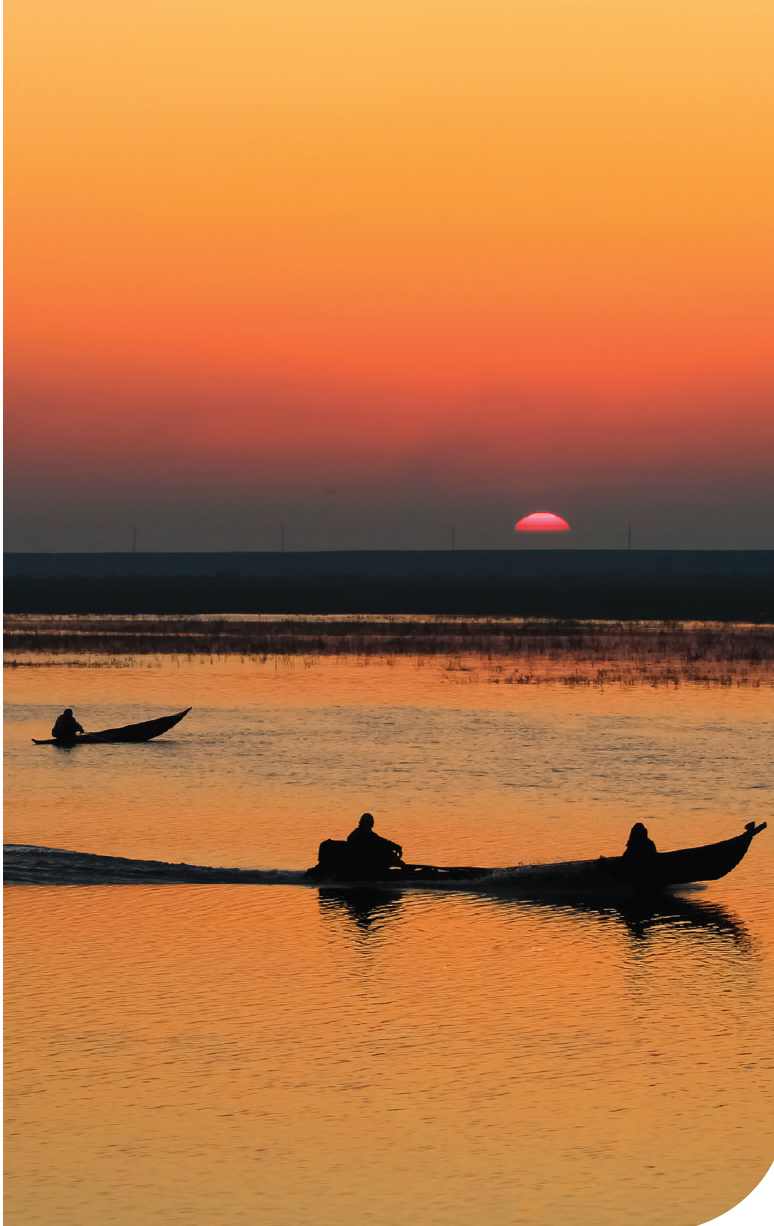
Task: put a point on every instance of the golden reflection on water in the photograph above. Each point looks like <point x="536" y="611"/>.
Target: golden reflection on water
<point x="222" y="1054"/>
<point x="240" y="1054"/>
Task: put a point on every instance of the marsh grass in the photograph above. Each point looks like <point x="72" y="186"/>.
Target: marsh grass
<point x="501" y="651"/>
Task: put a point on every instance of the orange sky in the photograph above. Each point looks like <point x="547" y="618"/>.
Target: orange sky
<point x="328" y="238"/>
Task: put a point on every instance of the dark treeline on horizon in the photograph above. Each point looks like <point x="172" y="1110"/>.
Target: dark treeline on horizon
<point x="719" y="585"/>
<point x="399" y="563"/>
<point x="748" y="598"/>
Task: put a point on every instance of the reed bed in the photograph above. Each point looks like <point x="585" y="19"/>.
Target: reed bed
<point x="507" y="651"/>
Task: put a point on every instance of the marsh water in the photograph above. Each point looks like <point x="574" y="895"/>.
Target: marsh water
<point x="286" y="1054"/>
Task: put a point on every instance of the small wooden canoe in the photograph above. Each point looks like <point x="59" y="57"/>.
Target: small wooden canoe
<point x="145" y="731"/>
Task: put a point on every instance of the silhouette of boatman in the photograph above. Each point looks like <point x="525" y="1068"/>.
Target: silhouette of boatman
<point x="371" y="850"/>
<point x="66" y="727"/>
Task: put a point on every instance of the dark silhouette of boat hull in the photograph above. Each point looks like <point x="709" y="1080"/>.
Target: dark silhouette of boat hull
<point x="601" y="876"/>
<point x="145" y="731"/>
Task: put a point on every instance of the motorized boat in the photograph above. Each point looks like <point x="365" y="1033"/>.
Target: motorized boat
<point x="146" y="731"/>
<point x="583" y="881"/>
<point x="337" y="864"/>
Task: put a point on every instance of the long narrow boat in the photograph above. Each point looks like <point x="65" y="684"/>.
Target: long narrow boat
<point x="603" y="875"/>
<point x="145" y="731"/>
<point x="580" y="881"/>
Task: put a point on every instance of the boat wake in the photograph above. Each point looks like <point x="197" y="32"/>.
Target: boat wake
<point x="25" y="864"/>
<point x="28" y="865"/>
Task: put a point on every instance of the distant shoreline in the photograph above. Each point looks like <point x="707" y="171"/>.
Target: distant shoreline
<point x="402" y="564"/>
<point x="739" y="598"/>
<point x="674" y="585"/>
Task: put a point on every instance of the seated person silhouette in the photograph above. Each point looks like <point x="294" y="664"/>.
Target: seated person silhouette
<point x="370" y="850"/>
<point x="640" y="856"/>
<point x="66" y="727"/>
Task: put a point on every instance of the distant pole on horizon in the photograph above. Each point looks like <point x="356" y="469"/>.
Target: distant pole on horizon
<point x="453" y="530"/>
<point x="282" y="539"/>
<point x="630" y="536"/>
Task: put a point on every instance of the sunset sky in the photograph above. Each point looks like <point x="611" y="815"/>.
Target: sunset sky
<point x="371" y="270"/>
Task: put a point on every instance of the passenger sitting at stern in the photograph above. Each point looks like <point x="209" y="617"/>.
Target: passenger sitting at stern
<point x="638" y="845"/>
<point x="66" y="727"/>
<point x="371" y="849"/>
<point x="641" y="856"/>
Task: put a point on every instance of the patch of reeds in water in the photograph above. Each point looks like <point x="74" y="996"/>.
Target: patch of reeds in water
<point x="507" y="651"/>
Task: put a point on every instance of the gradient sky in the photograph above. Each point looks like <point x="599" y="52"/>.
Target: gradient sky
<point x="371" y="270"/>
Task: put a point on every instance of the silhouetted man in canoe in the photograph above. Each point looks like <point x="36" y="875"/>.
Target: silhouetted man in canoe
<point x="370" y="849"/>
<point x="66" y="728"/>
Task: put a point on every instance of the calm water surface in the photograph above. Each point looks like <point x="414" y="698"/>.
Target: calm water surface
<point x="236" y="1054"/>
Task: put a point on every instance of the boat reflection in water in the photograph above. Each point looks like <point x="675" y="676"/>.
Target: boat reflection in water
<point x="643" y="916"/>
<point x="368" y="908"/>
<point x="371" y="908"/>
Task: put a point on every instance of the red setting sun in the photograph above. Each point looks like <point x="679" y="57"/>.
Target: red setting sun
<point x="542" y="521"/>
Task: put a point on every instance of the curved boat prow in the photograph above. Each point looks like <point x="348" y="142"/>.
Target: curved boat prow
<point x="708" y="863"/>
